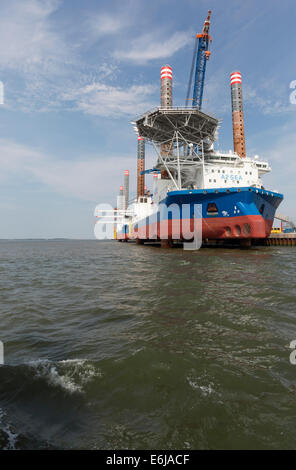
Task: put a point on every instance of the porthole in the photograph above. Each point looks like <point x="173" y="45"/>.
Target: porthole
<point x="246" y="229"/>
<point x="237" y="230"/>
<point x="227" y="231"/>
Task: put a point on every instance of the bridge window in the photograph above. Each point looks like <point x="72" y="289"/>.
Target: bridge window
<point x="212" y="209"/>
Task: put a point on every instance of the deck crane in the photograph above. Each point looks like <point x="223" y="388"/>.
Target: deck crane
<point x="201" y="54"/>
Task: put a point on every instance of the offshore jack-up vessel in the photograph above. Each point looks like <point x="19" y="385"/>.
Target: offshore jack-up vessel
<point x="188" y="171"/>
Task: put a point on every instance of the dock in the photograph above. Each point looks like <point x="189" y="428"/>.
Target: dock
<point x="281" y="239"/>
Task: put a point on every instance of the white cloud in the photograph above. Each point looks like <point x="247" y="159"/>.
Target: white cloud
<point x="268" y="97"/>
<point x="27" y="38"/>
<point x="102" y="24"/>
<point x="87" y="178"/>
<point x="105" y="100"/>
<point x="15" y="157"/>
<point x="44" y="63"/>
<point x="107" y="70"/>
<point x="216" y="98"/>
<point x="32" y="47"/>
<point x="269" y="100"/>
<point x="153" y="46"/>
<point x="282" y="156"/>
<point x="34" y="56"/>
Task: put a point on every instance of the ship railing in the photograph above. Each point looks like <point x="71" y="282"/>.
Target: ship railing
<point x="115" y="216"/>
<point x="178" y="109"/>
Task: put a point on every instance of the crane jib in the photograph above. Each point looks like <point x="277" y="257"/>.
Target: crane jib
<point x="201" y="54"/>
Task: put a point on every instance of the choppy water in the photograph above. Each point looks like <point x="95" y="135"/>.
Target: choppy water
<point x="112" y="345"/>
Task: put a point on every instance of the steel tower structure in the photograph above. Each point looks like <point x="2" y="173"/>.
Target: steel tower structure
<point x="239" y="143"/>
<point x="140" y="167"/>
<point x="126" y="188"/>
<point x="178" y="128"/>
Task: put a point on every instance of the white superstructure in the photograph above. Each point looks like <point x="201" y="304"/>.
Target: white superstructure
<point x="217" y="170"/>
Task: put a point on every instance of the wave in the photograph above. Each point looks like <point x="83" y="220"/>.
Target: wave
<point x="70" y="375"/>
<point x="8" y="437"/>
<point x="41" y="401"/>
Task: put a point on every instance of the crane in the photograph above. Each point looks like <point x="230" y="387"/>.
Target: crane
<point x="201" y="54"/>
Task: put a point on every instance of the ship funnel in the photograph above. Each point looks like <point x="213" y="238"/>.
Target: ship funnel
<point x="239" y="144"/>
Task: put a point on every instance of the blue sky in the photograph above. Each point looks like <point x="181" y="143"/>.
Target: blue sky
<point x="76" y="73"/>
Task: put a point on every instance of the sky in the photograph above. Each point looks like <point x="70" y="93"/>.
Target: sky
<point x="75" y="74"/>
